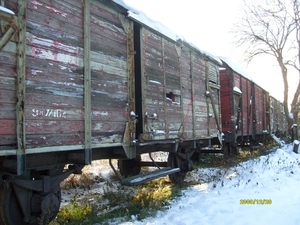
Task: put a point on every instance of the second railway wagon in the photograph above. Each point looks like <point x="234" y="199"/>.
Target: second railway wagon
<point x="82" y="80"/>
<point x="245" y="109"/>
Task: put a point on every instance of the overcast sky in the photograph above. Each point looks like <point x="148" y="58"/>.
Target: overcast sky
<point x="207" y="24"/>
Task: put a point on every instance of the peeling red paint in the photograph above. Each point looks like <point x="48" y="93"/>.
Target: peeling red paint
<point x="54" y="103"/>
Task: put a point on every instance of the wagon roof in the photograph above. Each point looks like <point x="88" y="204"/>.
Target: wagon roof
<point x="121" y="3"/>
<point x="142" y="18"/>
<point x="280" y="101"/>
<point x="235" y="67"/>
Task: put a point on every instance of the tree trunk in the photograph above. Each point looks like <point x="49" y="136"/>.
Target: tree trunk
<point x="295" y="110"/>
<point x="284" y="72"/>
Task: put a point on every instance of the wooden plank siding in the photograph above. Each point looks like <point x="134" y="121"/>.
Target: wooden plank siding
<point x="54" y="101"/>
<point x="237" y="116"/>
<point x="245" y="125"/>
<point x="262" y="110"/>
<point x="226" y="100"/>
<point x="249" y="117"/>
<point x="174" y="88"/>
<point x="180" y="93"/>
<point x="214" y="117"/>
<point x="8" y="67"/>
<point x="161" y="70"/>
<point x="187" y="95"/>
<point x="278" y="124"/>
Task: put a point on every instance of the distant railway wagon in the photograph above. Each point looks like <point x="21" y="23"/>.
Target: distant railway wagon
<point x="245" y="108"/>
<point x="82" y="80"/>
<point x="278" y="123"/>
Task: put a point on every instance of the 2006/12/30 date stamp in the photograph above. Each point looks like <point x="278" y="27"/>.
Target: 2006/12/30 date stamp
<point x="255" y="201"/>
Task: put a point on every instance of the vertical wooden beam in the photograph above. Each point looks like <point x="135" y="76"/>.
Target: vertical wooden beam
<point x="193" y="92"/>
<point x="232" y="111"/>
<point x="87" y="84"/>
<point x="208" y="94"/>
<point x="254" y="118"/>
<point x="130" y="129"/>
<point x="250" y="110"/>
<point x="21" y="89"/>
<point x="131" y="79"/>
<point x="178" y="48"/>
<point x="143" y="38"/>
<point x="212" y="101"/>
<point x="165" y="89"/>
<point x="247" y="111"/>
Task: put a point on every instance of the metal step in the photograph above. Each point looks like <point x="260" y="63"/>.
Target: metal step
<point x="142" y="178"/>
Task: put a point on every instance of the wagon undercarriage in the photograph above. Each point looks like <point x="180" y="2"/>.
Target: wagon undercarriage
<point x="35" y="196"/>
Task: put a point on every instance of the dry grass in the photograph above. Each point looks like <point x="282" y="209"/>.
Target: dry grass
<point x="91" y="174"/>
<point x="84" y="181"/>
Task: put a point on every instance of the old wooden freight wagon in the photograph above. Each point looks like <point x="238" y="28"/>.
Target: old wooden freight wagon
<point x="278" y="123"/>
<point x="245" y="108"/>
<point x="84" y="79"/>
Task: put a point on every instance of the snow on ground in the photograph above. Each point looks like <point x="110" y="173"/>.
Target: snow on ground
<point x="274" y="177"/>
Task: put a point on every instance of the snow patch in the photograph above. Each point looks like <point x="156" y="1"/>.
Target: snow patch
<point x="217" y="200"/>
<point x="236" y="89"/>
<point x="236" y="67"/>
<point x="6" y="10"/>
<point x="155" y="82"/>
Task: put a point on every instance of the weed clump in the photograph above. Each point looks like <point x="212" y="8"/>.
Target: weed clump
<point x="120" y="203"/>
<point x="75" y="213"/>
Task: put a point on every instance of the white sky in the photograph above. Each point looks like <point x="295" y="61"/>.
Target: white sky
<point x="207" y="24"/>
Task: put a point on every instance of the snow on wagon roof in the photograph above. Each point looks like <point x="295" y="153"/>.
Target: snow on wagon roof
<point x="235" y="67"/>
<point x="142" y="18"/>
<point x="6" y="10"/>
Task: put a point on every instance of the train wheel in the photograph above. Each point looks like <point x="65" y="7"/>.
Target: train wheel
<point x="129" y="167"/>
<point x="10" y="210"/>
<point x="42" y="209"/>
<point x="49" y="206"/>
<point x="176" y="162"/>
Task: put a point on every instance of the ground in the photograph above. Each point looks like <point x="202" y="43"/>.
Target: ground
<point x="263" y="190"/>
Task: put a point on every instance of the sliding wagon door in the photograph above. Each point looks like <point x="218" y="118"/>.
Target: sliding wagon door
<point x="161" y="87"/>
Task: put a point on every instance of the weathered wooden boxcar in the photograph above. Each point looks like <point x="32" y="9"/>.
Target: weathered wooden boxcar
<point x="245" y="108"/>
<point x="178" y="91"/>
<point x="278" y="123"/>
<point x="82" y="80"/>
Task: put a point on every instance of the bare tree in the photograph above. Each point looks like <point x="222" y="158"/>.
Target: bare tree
<point x="272" y="27"/>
